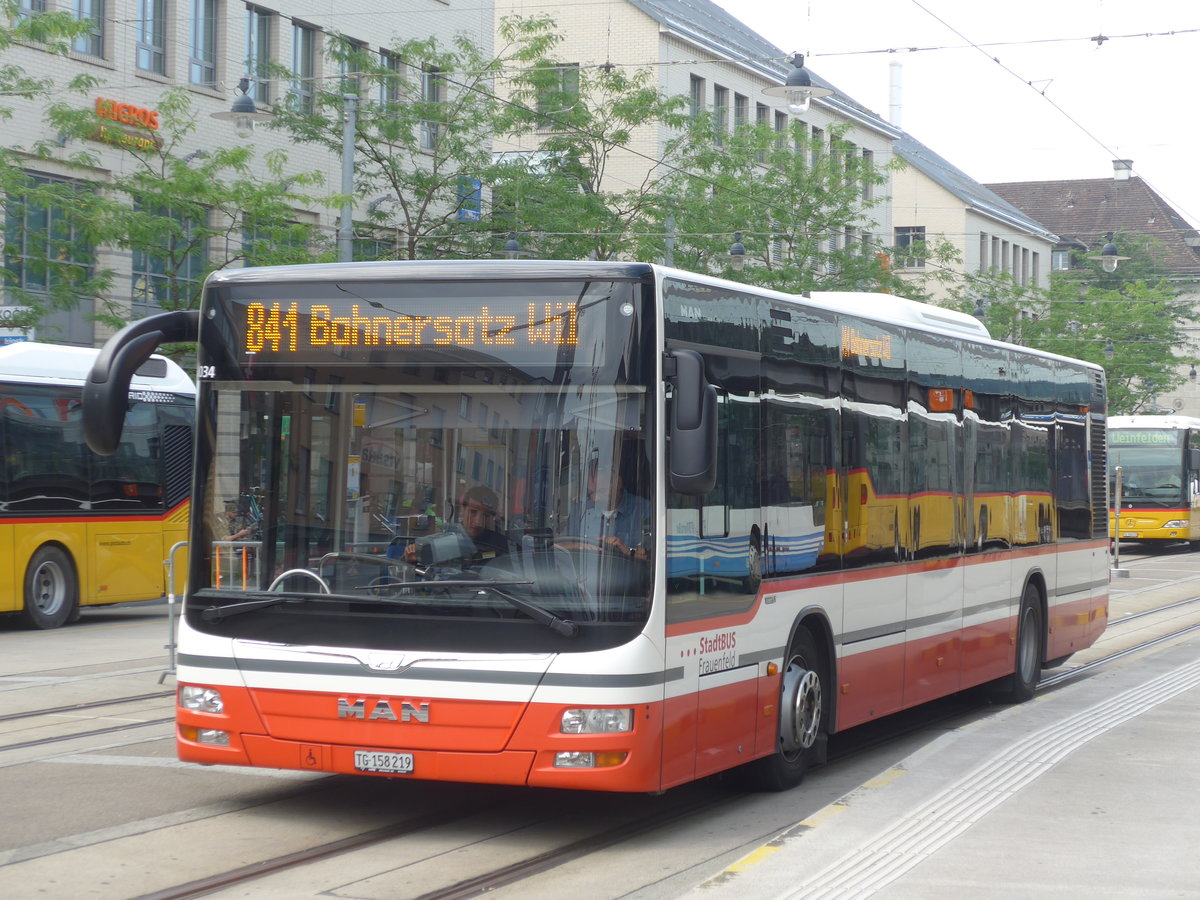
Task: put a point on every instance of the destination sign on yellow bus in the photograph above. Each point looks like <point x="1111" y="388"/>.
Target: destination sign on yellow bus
<point x="283" y="327"/>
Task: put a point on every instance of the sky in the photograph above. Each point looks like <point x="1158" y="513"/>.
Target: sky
<point x="1017" y="91"/>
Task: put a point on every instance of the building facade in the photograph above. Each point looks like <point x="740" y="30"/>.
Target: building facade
<point x="1084" y="212"/>
<point x="933" y="199"/>
<point x="701" y="52"/>
<point x="137" y="50"/>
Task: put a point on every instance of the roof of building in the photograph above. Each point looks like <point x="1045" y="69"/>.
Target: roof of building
<point x="708" y="25"/>
<point x="1087" y="209"/>
<point x="975" y="195"/>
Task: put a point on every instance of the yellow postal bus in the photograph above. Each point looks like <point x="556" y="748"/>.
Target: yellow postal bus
<point x="78" y="529"/>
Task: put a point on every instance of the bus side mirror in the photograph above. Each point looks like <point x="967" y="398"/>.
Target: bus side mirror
<point x="106" y="391"/>
<point x="692" y="458"/>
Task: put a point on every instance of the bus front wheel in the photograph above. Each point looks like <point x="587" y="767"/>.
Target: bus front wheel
<point x="51" y="590"/>
<point x="803" y="718"/>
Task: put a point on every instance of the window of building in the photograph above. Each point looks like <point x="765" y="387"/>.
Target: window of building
<point x="169" y="276"/>
<point x="258" y="53"/>
<point x="741" y="110"/>
<point x="391" y="78"/>
<point x="276" y="243"/>
<point x="720" y="113"/>
<point x="202" y="65"/>
<point x="431" y="94"/>
<point x="910" y="237"/>
<point x="1035" y="267"/>
<point x="697" y="97"/>
<point x="984" y="242"/>
<point x="559" y="96"/>
<point x="349" y="59"/>
<point x="42" y="249"/>
<point x="27" y="8"/>
<point x="151" y="31"/>
<point x="92" y="42"/>
<point x="304" y="65"/>
<point x="781" y="129"/>
<point x="1060" y="260"/>
<point x="868" y="185"/>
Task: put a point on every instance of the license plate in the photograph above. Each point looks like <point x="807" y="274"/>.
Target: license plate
<point x="1129" y="534"/>
<point x="381" y="761"/>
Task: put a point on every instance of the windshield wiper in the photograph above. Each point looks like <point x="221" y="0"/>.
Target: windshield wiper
<point x="558" y="625"/>
<point x="565" y="627"/>
<point x="217" y="613"/>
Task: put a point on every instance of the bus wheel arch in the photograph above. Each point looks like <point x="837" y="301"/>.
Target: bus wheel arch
<point x="1031" y="640"/>
<point x="805" y="710"/>
<point x="50" y="588"/>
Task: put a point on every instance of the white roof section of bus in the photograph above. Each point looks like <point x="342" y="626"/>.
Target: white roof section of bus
<point x="1176" y="423"/>
<point x="33" y="363"/>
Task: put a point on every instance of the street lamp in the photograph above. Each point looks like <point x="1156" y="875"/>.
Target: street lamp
<point x="1108" y="255"/>
<point x="798" y="90"/>
<point x="737" y="253"/>
<point x="512" y="249"/>
<point x="243" y="113"/>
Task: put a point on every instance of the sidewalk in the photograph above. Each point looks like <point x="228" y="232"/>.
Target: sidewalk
<point x="1088" y="791"/>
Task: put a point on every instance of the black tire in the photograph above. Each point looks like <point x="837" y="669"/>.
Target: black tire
<point x="51" y="589"/>
<point x="803" y="719"/>
<point x="1019" y="686"/>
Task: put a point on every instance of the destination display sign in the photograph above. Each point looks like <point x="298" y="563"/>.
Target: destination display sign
<point x="539" y="324"/>
<point x="286" y="328"/>
<point x="1144" y="437"/>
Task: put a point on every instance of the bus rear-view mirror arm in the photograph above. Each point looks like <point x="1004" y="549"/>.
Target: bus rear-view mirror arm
<point x="106" y="391"/>
<point x="692" y="460"/>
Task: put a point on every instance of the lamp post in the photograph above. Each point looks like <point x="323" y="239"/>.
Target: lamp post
<point x="798" y="90"/>
<point x="345" y="233"/>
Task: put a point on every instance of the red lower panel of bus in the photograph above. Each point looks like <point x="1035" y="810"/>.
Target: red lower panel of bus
<point x="457" y="743"/>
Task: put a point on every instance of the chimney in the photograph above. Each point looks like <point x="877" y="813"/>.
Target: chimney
<point x="1122" y="169"/>
<point x="895" y="71"/>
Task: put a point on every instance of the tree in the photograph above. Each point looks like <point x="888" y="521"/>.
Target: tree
<point x="792" y="200"/>
<point x="563" y="198"/>
<point x="57" y="264"/>
<point x="425" y="115"/>
<point x="181" y="216"/>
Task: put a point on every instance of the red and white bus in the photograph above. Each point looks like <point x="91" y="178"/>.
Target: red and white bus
<point x="830" y="508"/>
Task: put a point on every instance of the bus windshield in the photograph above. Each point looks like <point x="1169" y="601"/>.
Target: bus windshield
<point x="1152" y="475"/>
<point x="439" y="481"/>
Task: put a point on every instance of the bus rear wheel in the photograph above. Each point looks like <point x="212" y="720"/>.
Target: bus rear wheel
<point x="803" y="719"/>
<point x="1019" y="686"/>
<point x="51" y="590"/>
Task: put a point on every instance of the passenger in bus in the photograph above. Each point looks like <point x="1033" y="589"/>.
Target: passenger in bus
<point x="612" y="516"/>
<point x="478" y="511"/>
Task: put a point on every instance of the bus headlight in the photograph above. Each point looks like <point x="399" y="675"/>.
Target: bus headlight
<point x="596" y="721"/>
<point x="201" y="699"/>
<point x="576" y="760"/>
<point x="1176" y="523"/>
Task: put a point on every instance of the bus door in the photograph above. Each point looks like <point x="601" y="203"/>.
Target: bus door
<point x="714" y="545"/>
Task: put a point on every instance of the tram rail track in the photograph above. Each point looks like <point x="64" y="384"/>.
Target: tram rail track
<point x="573" y="847"/>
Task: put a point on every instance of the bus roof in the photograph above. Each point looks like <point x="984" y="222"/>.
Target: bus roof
<point x="1170" y="422"/>
<point x="29" y="362"/>
<point x="888" y="308"/>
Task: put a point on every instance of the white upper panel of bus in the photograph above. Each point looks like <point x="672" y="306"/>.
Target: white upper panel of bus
<point x="1177" y="423"/>
<point x="33" y="363"/>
